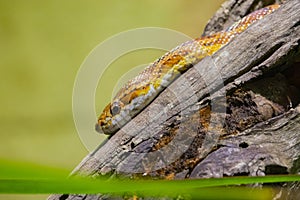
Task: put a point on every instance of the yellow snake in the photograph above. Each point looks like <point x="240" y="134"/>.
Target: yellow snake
<point x="137" y="93"/>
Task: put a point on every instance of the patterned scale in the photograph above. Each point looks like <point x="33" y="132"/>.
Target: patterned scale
<point x="137" y="93"/>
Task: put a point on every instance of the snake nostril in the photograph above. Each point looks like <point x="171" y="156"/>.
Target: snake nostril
<point x="98" y="128"/>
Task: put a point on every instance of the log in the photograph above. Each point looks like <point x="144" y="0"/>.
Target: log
<point x="234" y="113"/>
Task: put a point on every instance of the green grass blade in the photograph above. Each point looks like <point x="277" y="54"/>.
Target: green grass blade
<point x="26" y="178"/>
<point x="15" y="169"/>
<point x="85" y="185"/>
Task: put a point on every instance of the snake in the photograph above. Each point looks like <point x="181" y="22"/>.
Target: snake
<point x="138" y="92"/>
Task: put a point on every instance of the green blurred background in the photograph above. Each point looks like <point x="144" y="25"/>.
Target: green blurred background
<point x="42" y="45"/>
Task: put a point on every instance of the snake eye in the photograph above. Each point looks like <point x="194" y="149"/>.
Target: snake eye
<point x="115" y="109"/>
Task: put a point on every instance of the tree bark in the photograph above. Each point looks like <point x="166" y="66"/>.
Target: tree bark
<point x="234" y="113"/>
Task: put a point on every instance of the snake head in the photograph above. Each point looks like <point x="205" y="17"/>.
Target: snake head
<point x="107" y="121"/>
<point x="124" y="107"/>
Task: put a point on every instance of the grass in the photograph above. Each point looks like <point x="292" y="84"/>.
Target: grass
<point x="28" y="178"/>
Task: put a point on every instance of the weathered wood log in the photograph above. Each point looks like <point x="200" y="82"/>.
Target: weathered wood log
<point x="234" y="113"/>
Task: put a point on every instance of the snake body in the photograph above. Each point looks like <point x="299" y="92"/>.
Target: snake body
<point x="137" y="93"/>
